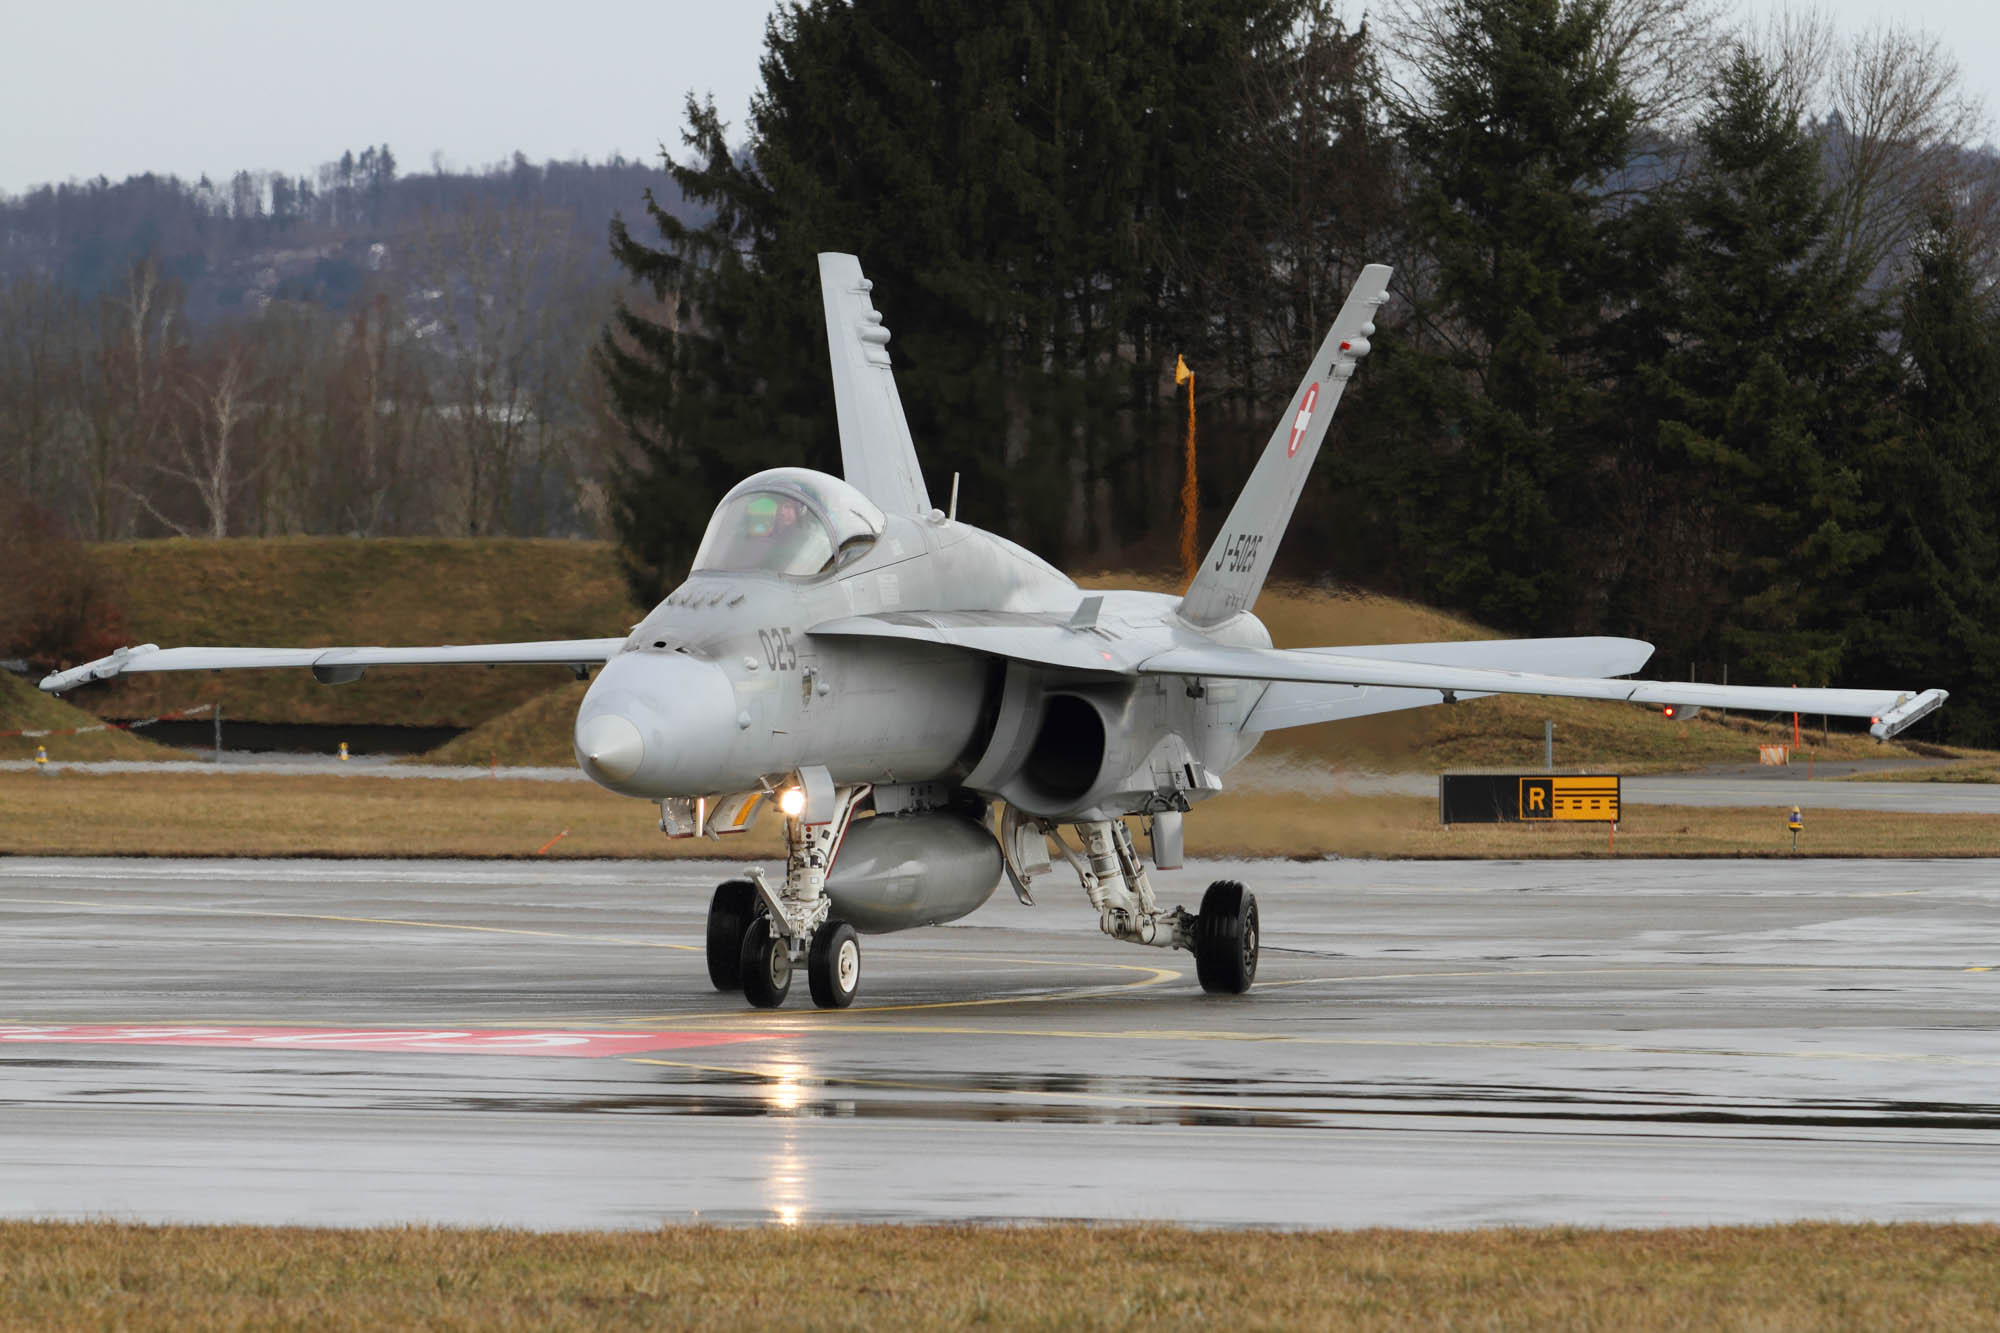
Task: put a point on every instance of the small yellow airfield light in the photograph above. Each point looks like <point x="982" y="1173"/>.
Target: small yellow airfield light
<point x="1796" y="823"/>
<point x="42" y="759"/>
<point x="343" y="752"/>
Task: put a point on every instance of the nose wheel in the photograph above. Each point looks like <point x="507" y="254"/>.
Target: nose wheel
<point x="730" y="913"/>
<point x="761" y="965"/>
<point x="766" y="963"/>
<point x="833" y="965"/>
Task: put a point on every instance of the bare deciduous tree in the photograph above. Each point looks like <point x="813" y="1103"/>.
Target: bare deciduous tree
<point x="209" y="448"/>
<point x="1897" y="138"/>
<point x="140" y="341"/>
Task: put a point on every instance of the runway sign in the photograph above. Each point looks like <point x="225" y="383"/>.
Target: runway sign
<point x="1512" y="798"/>
<point x="428" y="1041"/>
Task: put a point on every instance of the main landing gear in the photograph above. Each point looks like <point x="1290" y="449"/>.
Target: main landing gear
<point x="1224" y="936"/>
<point x="758" y="934"/>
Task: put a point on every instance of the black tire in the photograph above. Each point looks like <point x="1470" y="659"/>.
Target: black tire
<point x="1226" y="939"/>
<point x="766" y="962"/>
<point x="730" y="911"/>
<point x="833" y="965"/>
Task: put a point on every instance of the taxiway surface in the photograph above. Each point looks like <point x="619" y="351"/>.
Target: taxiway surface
<point x="536" y="1045"/>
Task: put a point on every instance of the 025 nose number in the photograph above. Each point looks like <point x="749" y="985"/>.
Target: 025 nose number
<point x="780" y="653"/>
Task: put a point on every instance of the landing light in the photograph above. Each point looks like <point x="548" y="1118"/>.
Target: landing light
<point x="792" y="800"/>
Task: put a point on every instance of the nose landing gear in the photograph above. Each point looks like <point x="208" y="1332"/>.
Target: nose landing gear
<point x="762" y="962"/>
<point x="757" y="933"/>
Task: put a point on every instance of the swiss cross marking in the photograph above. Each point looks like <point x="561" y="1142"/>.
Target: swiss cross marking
<point x="1304" y="419"/>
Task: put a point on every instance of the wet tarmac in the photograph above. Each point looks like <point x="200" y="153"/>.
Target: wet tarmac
<point x="1441" y="1045"/>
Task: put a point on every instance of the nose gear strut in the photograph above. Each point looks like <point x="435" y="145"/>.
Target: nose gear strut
<point x="793" y="926"/>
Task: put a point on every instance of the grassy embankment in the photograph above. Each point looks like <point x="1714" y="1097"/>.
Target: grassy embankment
<point x="25" y="708"/>
<point x="1806" y="1276"/>
<point x="309" y="591"/>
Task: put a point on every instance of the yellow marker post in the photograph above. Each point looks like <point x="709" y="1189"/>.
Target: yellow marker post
<point x="1796" y="824"/>
<point x="1190" y="494"/>
<point x="343" y="752"/>
<point x="42" y="759"/>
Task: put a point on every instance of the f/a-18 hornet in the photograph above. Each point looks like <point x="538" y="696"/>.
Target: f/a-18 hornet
<point x="929" y="706"/>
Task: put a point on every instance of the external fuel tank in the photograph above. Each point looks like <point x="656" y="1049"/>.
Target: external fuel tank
<point x="899" y="871"/>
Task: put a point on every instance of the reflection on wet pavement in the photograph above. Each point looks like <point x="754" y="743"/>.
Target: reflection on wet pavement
<point x="1432" y="1045"/>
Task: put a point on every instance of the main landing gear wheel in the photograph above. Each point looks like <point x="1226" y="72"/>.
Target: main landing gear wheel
<point x="766" y="962"/>
<point x="730" y="912"/>
<point x="833" y="965"/>
<point x="1225" y="938"/>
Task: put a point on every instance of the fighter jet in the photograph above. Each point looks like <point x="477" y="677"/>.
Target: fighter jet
<point x="930" y="708"/>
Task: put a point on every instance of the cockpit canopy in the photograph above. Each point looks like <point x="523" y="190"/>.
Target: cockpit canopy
<point x="791" y="521"/>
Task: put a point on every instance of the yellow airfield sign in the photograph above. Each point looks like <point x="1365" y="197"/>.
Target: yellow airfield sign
<point x="1593" y="798"/>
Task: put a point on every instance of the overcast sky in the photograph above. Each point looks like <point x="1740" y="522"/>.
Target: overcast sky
<point x="119" y="87"/>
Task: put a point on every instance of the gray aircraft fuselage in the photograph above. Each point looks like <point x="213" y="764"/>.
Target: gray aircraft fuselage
<point x="725" y="687"/>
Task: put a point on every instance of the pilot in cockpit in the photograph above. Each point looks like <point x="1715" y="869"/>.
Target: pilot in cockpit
<point x="771" y="517"/>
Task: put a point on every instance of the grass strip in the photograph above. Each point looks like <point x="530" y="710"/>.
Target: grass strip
<point x="60" y="1276"/>
<point x="69" y="813"/>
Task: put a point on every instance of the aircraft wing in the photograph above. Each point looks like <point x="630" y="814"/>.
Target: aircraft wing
<point x="1044" y="638"/>
<point x="1302" y="703"/>
<point x="1888" y="710"/>
<point x="876" y="452"/>
<point x="335" y="666"/>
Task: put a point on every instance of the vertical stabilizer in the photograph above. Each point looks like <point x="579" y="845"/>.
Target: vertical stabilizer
<point x="1233" y="573"/>
<point x="876" y="452"/>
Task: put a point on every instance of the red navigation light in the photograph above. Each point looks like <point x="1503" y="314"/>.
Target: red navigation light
<point x="1669" y="711"/>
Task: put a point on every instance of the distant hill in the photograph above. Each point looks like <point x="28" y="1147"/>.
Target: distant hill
<point x="265" y="236"/>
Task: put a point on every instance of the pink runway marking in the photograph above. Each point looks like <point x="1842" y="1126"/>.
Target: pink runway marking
<point x="451" y="1040"/>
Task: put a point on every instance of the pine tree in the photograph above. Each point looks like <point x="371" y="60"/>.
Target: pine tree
<point x="1513" y="153"/>
<point x="1012" y="176"/>
<point x="1762" y="405"/>
<point x="1933" y="594"/>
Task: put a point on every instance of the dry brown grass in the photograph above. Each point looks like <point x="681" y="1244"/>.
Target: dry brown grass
<point x="240" y="814"/>
<point x="60" y="1276"/>
<point x="263" y="814"/>
<point x="1407" y="826"/>
<point x="23" y="707"/>
<point x="1977" y="770"/>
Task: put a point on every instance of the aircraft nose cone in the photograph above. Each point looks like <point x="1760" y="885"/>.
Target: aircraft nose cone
<point x="610" y="746"/>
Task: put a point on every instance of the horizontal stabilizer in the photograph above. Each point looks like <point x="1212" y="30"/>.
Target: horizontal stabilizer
<point x="1889" y="710"/>
<point x="1301" y="704"/>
